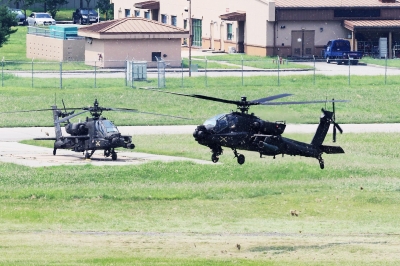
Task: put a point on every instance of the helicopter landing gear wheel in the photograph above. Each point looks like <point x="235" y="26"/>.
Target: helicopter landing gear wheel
<point x="241" y="159"/>
<point x="214" y="158"/>
<point x="87" y="155"/>
<point x="54" y="151"/>
<point x="113" y="155"/>
<point x="321" y="162"/>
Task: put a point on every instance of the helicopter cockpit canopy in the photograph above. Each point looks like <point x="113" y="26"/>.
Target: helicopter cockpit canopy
<point x="221" y="123"/>
<point x="106" y="128"/>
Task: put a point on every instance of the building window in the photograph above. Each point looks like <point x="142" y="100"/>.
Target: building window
<point x="229" y="31"/>
<point x="185" y="23"/>
<point x="163" y="18"/>
<point x="147" y="15"/>
<point x="196" y="32"/>
<point x="155" y="55"/>
<point x="137" y="13"/>
<point x="173" y="21"/>
<point x="127" y="13"/>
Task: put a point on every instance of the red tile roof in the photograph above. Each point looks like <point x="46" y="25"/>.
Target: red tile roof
<point x="132" y="25"/>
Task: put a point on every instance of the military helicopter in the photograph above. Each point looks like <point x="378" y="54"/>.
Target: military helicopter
<point x="240" y="130"/>
<point x="95" y="133"/>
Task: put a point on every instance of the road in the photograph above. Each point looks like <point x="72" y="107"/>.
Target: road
<point x="322" y="68"/>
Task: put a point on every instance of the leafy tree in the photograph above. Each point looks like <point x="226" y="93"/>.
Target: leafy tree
<point x="7" y="20"/>
<point x="53" y="6"/>
<point x="23" y="4"/>
<point x="105" y="7"/>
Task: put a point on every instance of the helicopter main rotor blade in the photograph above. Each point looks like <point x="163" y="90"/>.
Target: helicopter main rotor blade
<point x="271" y="98"/>
<point x="305" y="102"/>
<point x="27" y="111"/>
<point x="71" y="116"/>
<point x="199" y="96"/>
<point x="150" y="113"/>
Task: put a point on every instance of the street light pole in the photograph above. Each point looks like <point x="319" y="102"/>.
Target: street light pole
<point x="190" y="38"/>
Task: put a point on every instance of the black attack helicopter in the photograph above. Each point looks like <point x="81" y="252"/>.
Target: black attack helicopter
<point x="244" y="131"/>
<point x="95" y="133"/>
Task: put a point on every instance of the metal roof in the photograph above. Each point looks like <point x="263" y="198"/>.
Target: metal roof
<point x="132" y="28"/>
<point x="368" y="24"/>
<point x="332" y="3"/>
<point x="234" y="16"/>
<point x="148" y="5"/>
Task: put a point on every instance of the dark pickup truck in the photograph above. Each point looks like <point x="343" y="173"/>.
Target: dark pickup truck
<point x="339" y="51"/>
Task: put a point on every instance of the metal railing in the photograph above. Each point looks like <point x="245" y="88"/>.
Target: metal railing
<point x="93" y="74"/>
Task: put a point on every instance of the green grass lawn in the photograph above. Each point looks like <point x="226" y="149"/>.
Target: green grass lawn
<point x="369" y="103"/>
<point x="189" y="214"/>
<point x="382" y="62"/>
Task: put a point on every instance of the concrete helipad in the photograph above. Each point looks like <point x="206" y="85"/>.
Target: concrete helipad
<point x="28" y="155"/>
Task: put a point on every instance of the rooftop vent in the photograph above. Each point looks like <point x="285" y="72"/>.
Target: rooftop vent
<point x="387" y="1"/>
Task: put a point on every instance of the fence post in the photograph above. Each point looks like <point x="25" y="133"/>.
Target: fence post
<point x="385" y="67"/>
<point x="279" y="83"/>
<point x="242" y="70"/>
<point x="95" y="67"/>
<point x="206" y="73"/>
<point x="182" y="73"/>
<point x="314" y="69"/>
<point x="32" y="73"/>
<point x="126" y="73"/>
<point x="349" y="67"/>
<point x="2" y="72"/>
<point x="60" y="74"/>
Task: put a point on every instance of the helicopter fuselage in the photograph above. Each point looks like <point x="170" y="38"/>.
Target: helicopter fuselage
<point x="93" y="134"/>
<point x="235" y="130"/>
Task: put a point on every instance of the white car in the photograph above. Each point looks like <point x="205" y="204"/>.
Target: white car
<point x="40" y="19"/>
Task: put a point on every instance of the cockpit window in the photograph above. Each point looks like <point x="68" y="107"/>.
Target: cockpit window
<point x="221" y="122"/>
<point x="110" y="127"/>
<point x="105" y="127"/>
<point x="211" y="122"/>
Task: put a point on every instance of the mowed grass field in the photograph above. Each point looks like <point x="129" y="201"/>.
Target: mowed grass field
<point x="285" y="211"/>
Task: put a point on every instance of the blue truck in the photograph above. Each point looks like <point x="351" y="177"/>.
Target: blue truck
<point x="339" y="51"/>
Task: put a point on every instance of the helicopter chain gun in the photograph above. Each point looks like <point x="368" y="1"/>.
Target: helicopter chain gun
<point x="240" y="130"/>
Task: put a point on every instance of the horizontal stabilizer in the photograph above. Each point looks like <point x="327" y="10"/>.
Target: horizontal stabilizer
<point x="331" y="149"/>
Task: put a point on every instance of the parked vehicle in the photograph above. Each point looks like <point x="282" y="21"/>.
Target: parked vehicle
<point x="85" y="16"/>
<point x="339" y="51"/>
<point x="19" y="15"/>
<point x="40" y="19"/>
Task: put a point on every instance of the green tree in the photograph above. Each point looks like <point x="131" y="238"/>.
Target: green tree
<point x="105" y="7"/>
<point x="7" y="21"/>
<point x="53" y="6"/>
<point x="23" y="4"/>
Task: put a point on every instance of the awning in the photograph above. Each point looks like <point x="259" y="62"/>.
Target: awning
<point x="234" y="16"/>
<point x="372" y="24"/>
<point x="148" y="5"/>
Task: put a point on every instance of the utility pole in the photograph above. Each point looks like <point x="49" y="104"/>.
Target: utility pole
<point x="190" y="38"/>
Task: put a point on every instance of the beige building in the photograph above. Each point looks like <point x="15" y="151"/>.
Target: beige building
<point x="54" y="44"/>
<point x="274" y="27"/>
<point x="111" y="43"/>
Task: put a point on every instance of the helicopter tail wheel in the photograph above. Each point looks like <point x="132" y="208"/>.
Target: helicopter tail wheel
<point x="113" y="155"/>
<point x="54" y="151"/>
<point x="214" y="158"/>
<point x="321" y="162"/>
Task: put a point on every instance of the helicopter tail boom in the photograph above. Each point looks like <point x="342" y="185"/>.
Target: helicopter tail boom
<point x="57" y="126"/>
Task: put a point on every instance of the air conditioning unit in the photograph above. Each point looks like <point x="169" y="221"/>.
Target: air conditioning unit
<point x="231" y="50"/>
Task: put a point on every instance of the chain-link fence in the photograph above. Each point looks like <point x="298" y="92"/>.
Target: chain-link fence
<point x="163" y="73"/>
